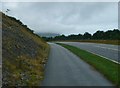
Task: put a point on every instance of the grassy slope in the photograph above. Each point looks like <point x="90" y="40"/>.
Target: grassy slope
<point x="23" y="53"/>
<point x="107" y="68"/>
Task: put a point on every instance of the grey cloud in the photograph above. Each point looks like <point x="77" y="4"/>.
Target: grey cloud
<point x="66" y="17"/>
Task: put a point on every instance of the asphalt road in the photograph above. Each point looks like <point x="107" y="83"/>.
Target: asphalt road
<point x="106" y="50"/>
<point x="66" y="69"/>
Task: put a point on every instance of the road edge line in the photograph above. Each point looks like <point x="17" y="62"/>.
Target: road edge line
<point x="105" y="58"/>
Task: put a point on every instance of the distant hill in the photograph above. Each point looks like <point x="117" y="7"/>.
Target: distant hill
<point x="48" y="34"/>
<point x="23" y="54"/>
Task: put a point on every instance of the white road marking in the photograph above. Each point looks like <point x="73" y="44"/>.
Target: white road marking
<point x="107" y="48"/>
<point x="105" y="58"/>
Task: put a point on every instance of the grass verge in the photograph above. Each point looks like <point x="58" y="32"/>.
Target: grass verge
<point x="108" y="68"/>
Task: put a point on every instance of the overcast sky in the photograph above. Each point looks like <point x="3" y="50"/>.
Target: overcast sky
<point x="65" y="17"/>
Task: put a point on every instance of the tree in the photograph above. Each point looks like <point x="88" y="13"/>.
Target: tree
<point x="99" y="35"/>
<point x="113" y="35"/>
<point x="87" y="35"/>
